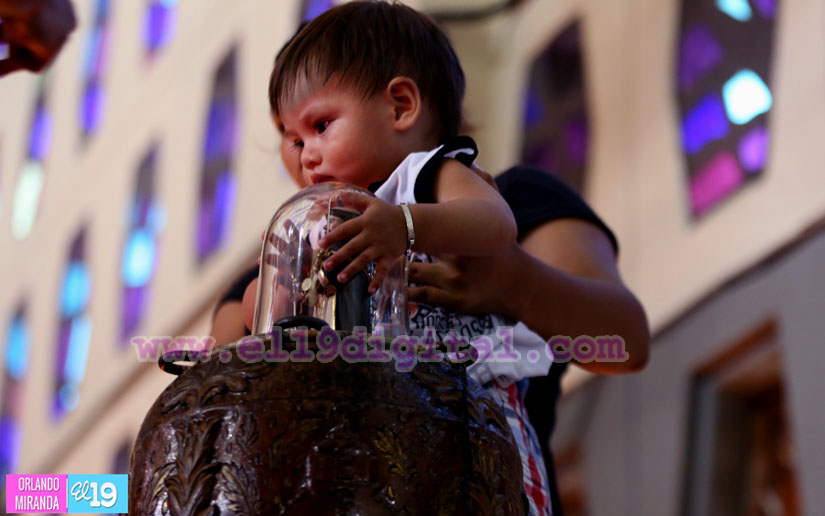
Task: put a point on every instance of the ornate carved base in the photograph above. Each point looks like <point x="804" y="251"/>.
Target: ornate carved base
<point x="324" y="439"/>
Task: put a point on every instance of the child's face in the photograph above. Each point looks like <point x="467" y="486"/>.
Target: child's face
<point x="338" y="136"/>
<point x="290" y="156"/>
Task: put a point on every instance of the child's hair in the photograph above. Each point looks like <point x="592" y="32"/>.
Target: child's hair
<point x="364" y="44"/>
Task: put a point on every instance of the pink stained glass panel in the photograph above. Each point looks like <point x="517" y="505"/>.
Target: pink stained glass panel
<point x="715" y="181"/>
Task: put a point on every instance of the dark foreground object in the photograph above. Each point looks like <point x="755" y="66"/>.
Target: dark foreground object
<point x="317" y="438"/>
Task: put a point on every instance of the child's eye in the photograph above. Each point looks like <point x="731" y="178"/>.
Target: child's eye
<point x="297" y="144"/>
<point x="322" y="126"/>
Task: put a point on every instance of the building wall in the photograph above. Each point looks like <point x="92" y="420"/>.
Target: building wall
<point x="633" y="429"/>
<point x="165" y="102"/>
<point x="636" y="181"/>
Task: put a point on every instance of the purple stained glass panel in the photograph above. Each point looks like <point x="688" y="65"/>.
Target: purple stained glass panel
<point x="63" y="337"/>
<point x="721" y="176"/>
<point x="221" y="131"/>
<point x="92" y="108"/>
<point x="705" y="123"/>
<point x="699" y="53"/>
<point x="217" y="177"/>
<point x="10" y="438"/>
<point x="576" y="141"/>
<point x="313" y="8"/>
<point x="766" y="8"/>
<point x="133" y="309"/>
<point x="206" y="236"/>
<point x="224" y="203"/>
<point x="159" y="26"/>
<point x="753" y="149"/>
<point x="543" y="157"/>
<point x="555" y="116"/>
<point x="40" y="140"/>
<point x="92" y="102"/>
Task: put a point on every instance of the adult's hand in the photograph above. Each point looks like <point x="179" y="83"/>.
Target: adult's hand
<point x="35" y="31"/>
<point x="561" y="280"/>
<point x="466" y="284"/>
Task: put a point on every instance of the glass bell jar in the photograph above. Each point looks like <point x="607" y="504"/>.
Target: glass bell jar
<point x="294" y="290"/>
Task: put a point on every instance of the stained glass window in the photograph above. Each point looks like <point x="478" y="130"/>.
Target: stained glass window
<point x="29" y="188"/>
<point x="724" y="95"/>
<point x="95" y="61"/>
<point x="217" y="188"/>
<point x="159" y="24"/>
<point x="18" y="342"/>
<point x="75" y="328"/>
<point x="312" y="8"/>
<point x="556" y="123"/>
<point x="145" y="222"/>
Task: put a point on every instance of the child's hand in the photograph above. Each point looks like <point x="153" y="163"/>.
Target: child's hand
<point x="379" y="234"/>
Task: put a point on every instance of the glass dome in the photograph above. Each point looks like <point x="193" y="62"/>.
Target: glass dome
<point x="295" y="290"/>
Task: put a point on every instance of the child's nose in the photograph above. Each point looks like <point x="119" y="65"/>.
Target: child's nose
<point x="310" y="157"/>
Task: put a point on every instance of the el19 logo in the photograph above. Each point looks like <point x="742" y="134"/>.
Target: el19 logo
<point x="98" y="493"/>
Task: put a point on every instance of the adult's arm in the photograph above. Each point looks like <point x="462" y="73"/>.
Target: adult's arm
<point x="561" y="280"/>
<point x="235" y="310"/>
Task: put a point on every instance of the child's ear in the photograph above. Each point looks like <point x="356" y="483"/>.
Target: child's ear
<point x="405" y="99"/>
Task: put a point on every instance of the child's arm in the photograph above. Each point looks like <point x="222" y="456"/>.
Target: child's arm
<point x="469" y="218"/>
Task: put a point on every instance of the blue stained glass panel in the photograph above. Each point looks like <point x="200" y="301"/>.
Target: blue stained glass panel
<point x="739" y="10"/>
<point x="76" y="290"/>
<point x="17" y="348"/>
<point x="67" y="399"/>
<point x="139" y="259"/>
<point x="74" y="333"/>
<point x="533" y="109"/>
<point x="705" y="123"/>
<point x="746" y="97"/>
<point x="79" y="337"/>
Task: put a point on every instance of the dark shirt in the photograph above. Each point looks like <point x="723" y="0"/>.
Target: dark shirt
<point x="537" y="197"/>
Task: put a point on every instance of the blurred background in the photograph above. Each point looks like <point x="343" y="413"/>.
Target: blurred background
<point x="137" y="174"/>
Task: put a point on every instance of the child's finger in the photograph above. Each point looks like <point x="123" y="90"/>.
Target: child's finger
<point x="358" y="201"/>
<point x="346" y="230"/>
<point x="351" y="248"/>
<point x="357" y="264"/>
